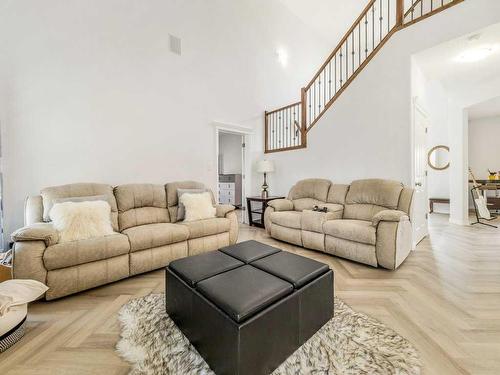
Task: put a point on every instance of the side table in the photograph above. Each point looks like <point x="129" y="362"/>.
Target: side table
<point x="258" y="210"/>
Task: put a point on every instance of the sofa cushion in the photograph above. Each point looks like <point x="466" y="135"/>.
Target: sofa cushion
<point x="140" y="204"/>
<point x="197" y="206"/>
<point x="337" y="193"/>
<point x="84" y="251"/>
<point x="181" y="210"/>
<point x="206" y="227"/>
<point x="289" y="219"/>
<point x="313" y="220"/>
<point x="244" y="291"/>
<point x="50" y="194"/>
<point x="406" y="200"/>
<point x="249" y="251"/>
<point x="361" y="211"/>
<point x="315" y="188"/>
<point x="199" y="267"/>
<point x="293" y="268"/>
<point x="77" y="221"/>
<point x="153" y="235"/>
<point x="378" y="192"/>
<point x="353" y="230"/>
<point x="173" y="199"/>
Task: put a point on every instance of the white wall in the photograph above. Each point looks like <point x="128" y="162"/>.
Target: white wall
<point x="367" y="132"/>
<point x="90" y="92"/>
<point x="484" y="152"/>
<point x="230" y="152"/>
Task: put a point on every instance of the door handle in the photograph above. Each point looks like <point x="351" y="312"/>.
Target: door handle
<point x="418" y="184"/>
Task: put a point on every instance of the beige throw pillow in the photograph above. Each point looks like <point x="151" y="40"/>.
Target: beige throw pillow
<point x="81" y="220"/>
<point x="197" y="206"/>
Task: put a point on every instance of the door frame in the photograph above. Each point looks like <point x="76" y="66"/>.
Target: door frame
<point x="417" y="106"/>
<point x="247" y="136"/>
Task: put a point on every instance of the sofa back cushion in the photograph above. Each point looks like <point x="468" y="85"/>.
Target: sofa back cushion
<point x="316" y="188"/>
<point x="172" y="198"/>
<point x="140" y="204"/>
<point x="337" y="193"/>
<point x="406" y="200"/>
<point x="365" y="198"/>
<point x="51" y="195"/>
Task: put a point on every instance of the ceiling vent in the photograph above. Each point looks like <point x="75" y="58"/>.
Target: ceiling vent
<point x="175" y="44"/>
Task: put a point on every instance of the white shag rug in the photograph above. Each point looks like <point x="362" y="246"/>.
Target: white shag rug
<point x="350" y="343"/>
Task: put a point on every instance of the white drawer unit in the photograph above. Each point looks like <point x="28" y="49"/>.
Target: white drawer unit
<point x="230" y="192"/>
<point x="227" y="186"/>
<point x="226" y="199"/>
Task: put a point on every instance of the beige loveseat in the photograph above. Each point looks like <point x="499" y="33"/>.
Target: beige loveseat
<point x="367" y="221"/>
<point x="148" y="236"/>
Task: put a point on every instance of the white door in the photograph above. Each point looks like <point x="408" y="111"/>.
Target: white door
<point x="419" y="217"/>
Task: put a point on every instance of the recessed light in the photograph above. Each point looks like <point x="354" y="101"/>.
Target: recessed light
<point x="475" y="54"/>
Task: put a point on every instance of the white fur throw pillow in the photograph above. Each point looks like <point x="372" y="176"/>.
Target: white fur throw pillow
<point x="81" y="220"/>
<point x="197" y="206"/>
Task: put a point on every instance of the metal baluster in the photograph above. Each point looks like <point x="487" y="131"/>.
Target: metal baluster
<point x="373" y="28"/>
<point x="319" y="93"/>
<point x="285" y="138"/>
<point x="388" y="15"/>
<point x="347" y="61"/>
<point x="291" y="125"/>
<point x="335" y="73"/>
<point x="353" y="52"/>
<point x="292" y="139"/>
<point x="329" y="80"/>
<point x="314" y="102"/>
<point x="272" y="131"/>
<point x="359" y="44"/>
<point x="366" y="36"/>
<point x="380" y="21"/>
<point x="340" y="67"/>
<point x="278" y="130"/>
<point x="346" y="58"/>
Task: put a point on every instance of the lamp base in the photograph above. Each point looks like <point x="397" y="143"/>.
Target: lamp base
<point x="264" y="193"/>
<point x="265" y="186"/>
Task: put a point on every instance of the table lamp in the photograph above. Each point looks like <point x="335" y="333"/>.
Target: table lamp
<point x="265" y="166"/>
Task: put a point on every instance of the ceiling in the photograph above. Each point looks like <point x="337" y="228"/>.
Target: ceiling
<point x="440" y="62"/>
<point x="490" y="108"/>
<point x="330" y="19"/>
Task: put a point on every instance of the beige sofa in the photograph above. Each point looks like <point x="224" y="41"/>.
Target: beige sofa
<point x="367" y="221"/>
<point x="148" y="236"/>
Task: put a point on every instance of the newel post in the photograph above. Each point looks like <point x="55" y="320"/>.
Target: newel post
<point x="399" y="12"/>
<point x="303" y="121"/>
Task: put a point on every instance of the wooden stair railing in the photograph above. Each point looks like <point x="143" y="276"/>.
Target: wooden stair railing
<point x="378" y="21"/>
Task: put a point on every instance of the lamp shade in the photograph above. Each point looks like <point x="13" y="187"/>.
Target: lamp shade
<point x="265" y="166"/>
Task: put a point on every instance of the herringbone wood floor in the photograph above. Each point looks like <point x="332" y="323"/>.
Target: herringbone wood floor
<point x="445" y="299"/>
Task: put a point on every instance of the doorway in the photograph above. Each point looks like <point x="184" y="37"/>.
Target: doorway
<point x="231" y="148"/>
<point x="419" y="219"/>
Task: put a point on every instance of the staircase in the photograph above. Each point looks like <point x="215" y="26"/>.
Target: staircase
<point x="286" y="128"/>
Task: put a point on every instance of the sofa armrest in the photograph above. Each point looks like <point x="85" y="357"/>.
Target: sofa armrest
<point x="281" y="204"/>
<point x="37" y="232"/>
<point x="394" y="242"/>
<point x="389" y="215"/>
<point x="223" y="209"/>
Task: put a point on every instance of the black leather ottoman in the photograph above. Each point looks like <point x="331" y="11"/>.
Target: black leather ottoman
<point x="247" y="307"/>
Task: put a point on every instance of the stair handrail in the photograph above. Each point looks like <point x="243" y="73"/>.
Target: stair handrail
<point x="341" y="43"/>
